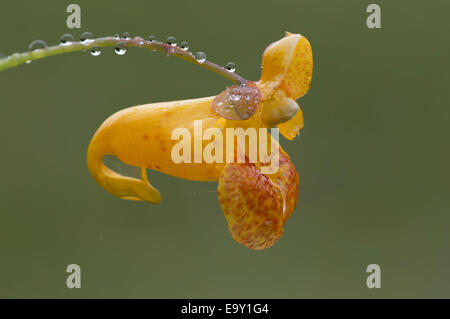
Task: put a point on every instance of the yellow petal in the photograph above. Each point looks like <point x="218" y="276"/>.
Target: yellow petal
<point x="287" y="64"/>
<point x="291" y="128"/>
<point x="142" y="136"/>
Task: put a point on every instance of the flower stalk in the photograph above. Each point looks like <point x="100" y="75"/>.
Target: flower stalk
<point x="137" y="42"/>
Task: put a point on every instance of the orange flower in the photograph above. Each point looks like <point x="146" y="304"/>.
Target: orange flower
<point x="256" y="205"/>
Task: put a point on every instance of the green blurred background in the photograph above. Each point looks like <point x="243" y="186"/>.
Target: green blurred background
<point x="373" y="156"/>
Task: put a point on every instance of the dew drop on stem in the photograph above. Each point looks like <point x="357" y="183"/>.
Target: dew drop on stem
<point x="120" y="48"/>
<point x="95" y="51"/>
<point x="66" y="39"/>
<point x="200" y="57"/>
<point x="230" y="66"/>
<point x="171" y="41"/>
<point x="184" y="45"/>
<point x="86" y="38"/>
<point x="36" y="45"/>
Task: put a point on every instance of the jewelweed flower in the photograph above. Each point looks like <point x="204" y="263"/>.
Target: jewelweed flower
<point x="256" y="205"/>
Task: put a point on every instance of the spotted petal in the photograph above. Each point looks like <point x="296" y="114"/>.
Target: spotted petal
<point x="257" y="206"/>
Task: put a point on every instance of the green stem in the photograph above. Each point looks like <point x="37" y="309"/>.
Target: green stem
<point x="138" y="42"/>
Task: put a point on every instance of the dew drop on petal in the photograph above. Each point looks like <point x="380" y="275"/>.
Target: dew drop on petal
<point x="116" y="36"/>
<point x="66" y="39"/>
<point x="95" y="51"/>
<point x="152" y="38"/>
<point x="120" y="48"/>
<point x="86" y="38"/>
<point x="127" y="35"/>
<point x="171" y="41"/>
<point x="200" y="57"/>
<point x="235" y="97"/>
<point x="238" y="102"/>
<point x="36" y="45"/>
<point x="230" y="66"/>
<point x="184" y="45"/>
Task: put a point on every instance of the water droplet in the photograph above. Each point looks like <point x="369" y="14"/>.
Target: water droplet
<point x="37" y="44"/>
<point x="235" y="97"/>
<point x="230" y="66"/>
<point x="66" y="39"/>
<point x="127" y="35"/>
<point x="120" y="48"/>
<point x="86" y="38"/>
<point x="116" y="36"/>
<point x="152" y="38"/>
<point x="238" y="102"/>
<point x="184" y="45"/>
<point x="172" y="41"/>
<point x="28" y="62"/>
<point x="95" y="51"/>
<point x="200" y="57"/>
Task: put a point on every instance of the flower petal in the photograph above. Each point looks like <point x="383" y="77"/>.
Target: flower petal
<point x="287" y="64"/>
<point x="142" y="136"/>
<point x="278" y="109"/>
<point x="255" y="205"/>
<point x="291" y="128"/>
